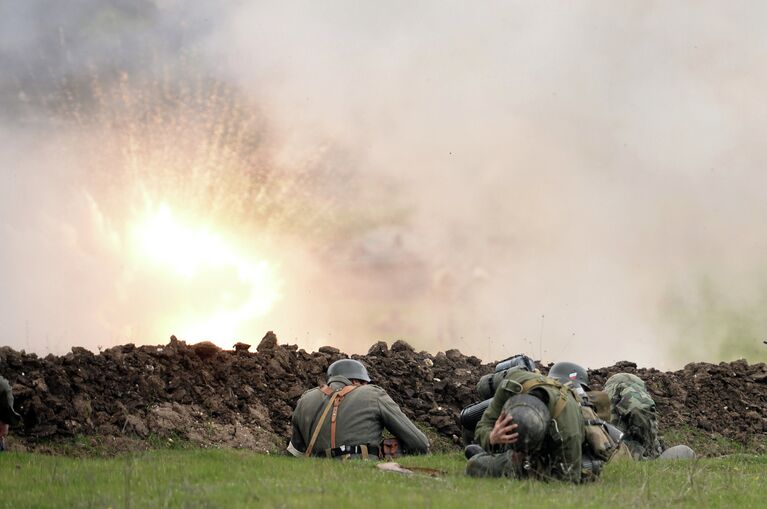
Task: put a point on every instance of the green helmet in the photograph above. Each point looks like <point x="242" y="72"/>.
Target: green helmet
<point x="532" y="417"/>
<point x="351" y="369"/>
<point x="570" y="372"/>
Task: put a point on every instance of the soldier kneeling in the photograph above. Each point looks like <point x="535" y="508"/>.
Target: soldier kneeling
<point x="346" y="418"/>
<point x="8" y="415"/>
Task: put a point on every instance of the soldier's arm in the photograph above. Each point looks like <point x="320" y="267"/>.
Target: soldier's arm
<point x="413" y="440"/>
<point x="297" y="445"/>
<point x="7" y="414"/>
<point x="487" y="422"/>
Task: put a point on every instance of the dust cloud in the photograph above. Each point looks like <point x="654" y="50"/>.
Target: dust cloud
<point x="578" y="182"/>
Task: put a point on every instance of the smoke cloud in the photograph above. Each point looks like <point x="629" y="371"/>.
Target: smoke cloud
<point x="579" y="182"/>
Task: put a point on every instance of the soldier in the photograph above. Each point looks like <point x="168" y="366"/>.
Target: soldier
<point x="359" y="412"/>
<point x="633" y="411"/>
<point x="533" y="428"/>
<point x="8" y="415"/>
<point x="631" y="408"/>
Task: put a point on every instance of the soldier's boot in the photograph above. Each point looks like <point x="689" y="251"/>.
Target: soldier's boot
<point x="489" y="465"/>
<point x="472" y="450"/>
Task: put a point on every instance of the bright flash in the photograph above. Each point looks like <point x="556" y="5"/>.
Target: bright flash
<point x="191" y="252"/>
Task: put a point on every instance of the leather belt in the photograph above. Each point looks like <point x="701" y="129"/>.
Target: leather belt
<point x="346" y="450"/>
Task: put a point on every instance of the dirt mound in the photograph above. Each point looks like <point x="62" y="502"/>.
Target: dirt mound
<point x="244" y="399"/>
<point x="724" y="400"/>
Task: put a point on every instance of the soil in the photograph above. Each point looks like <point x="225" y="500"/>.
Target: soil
<point x="238" y="398"/>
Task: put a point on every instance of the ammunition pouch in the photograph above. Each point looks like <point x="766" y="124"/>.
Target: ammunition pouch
<point x="602" y="444"/>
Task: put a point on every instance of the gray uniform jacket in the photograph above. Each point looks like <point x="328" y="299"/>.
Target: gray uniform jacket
<point x="7" y="414"/>
<point x="362" y="417"/>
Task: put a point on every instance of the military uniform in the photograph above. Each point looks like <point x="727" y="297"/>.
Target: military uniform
<point x="560" y="455"/>
<point x="632" y="409"/>
<point x="362" y="416"/>
<point x="7" y="414"/>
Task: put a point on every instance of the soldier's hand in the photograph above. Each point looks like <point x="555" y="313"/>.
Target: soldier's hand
<point x="503" y="431"/>
<point x="3" y="430"/>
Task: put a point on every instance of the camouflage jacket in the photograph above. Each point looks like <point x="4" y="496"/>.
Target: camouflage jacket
<point x="560" y="455"/>
<point x="632" y="409"/>
<point x="362" y="417"/>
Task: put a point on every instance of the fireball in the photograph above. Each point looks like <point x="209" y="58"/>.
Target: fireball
<point x="238" y="286"/>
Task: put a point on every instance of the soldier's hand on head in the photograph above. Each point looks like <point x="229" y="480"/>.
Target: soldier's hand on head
<point x="503" y="432"/>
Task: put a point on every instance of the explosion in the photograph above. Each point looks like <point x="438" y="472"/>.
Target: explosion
<point x="240" y="287"/>
<point x="195" y="198"/>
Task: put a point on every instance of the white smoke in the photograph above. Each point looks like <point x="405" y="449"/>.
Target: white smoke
<point x="558" y="179"/>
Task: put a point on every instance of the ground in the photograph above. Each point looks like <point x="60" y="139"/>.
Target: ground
<point x="243" y="399"/>
<point x="229" y="478"/>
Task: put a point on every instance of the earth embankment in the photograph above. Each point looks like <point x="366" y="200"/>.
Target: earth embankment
<point x="244" y="399"/>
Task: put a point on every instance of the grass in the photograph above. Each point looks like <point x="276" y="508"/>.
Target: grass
<point x="229" y="478"/>
<point x="707" y="445"/>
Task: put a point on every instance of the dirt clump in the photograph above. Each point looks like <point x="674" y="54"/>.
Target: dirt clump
<point x="213" y="397"/>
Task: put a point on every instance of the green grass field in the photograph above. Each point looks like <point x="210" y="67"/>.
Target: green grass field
<point x="228" y="478"/>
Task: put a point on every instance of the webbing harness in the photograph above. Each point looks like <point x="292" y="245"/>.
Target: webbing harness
<point x="336" y="397"/>
<point x="561" y="403"/>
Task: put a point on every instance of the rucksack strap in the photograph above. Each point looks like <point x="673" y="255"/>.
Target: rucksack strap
<point x="320" y="422"/>
<point x="339" y="398"/>
<point x="335" y="400"/>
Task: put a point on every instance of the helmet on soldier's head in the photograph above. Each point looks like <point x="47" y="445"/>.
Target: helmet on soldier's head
<point x="570" y="372"/>
<point x="532" y="417"/>
<point x="351" y="369"/>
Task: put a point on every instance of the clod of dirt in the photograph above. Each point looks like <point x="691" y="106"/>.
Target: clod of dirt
<point x="205" y="349"/>
<point x="268" y="342"/>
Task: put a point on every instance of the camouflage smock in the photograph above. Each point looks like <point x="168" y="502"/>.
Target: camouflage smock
<point x="632" y="409"/>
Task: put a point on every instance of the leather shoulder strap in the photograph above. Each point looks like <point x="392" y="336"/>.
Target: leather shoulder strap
<point x="340" y="397"/>
<point x="320" y="422"/>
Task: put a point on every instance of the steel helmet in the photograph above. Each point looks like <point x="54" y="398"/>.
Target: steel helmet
<point x="351" y="369"/>
<point x="532" y="417"/>
<point x="678" y="452"/>
<point x="570" y="372"/>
